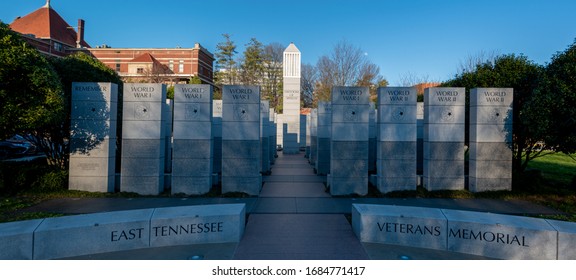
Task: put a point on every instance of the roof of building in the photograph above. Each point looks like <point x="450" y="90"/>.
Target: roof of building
<point x="144" y="58"/>
<point x="148" y="58"/>
<point x="46" y="23"/>
<point x="292" y="48"/>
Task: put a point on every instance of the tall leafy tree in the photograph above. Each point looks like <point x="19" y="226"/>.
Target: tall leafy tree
<point x="272" y="77"/>
<point x="552" y="109"/>
<point x="31" y="97"/>
<point x="347" y="65"/>
<point x="309" y="77"/>
<point x="225" y="61"/>
<point x="251" y="66"/>
<point x="370" y="77"/>
<point x="326" y="79"/>
<point x="195" y="80"/>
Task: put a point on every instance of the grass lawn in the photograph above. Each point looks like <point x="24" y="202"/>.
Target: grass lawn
<point x="555" y="189"/>
<point x="558" y="168"/>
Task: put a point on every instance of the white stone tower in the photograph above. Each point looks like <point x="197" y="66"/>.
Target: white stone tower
<point x="291" y="101"/>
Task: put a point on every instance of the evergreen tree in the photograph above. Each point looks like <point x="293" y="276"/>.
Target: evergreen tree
<point x="252" y="68"/>
<point x="225" y="63"/>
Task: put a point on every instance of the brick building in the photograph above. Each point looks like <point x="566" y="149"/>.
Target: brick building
<point x="158" y="65"/>
<point x="48" y="32"/>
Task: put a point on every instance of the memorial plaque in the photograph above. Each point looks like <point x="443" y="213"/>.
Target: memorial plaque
<point x="217" y="135"/>
<point x="308" y="126"/>
<point x="490" y="139"/>
<point x="241" y="142"/>
<point x="314" y="140"/>
<point x="372" y="139"/>
<point x="444" y="112"/>
<point x="143" y="138"/>
<point x="324" y="133"/>
<point x="280" y="129"/>
<point x="192" y="139"/>
<point x="500" y="236"/>
<point x="349" y="140"/>
<point x="77" y="235"/>
<point x="420" y="137"/>
<point x="272" y="136"/>
<point x="404" y="226"/>
<point x="302" y="135"/>
<point x="177" y="226"/>
<point x="397" y="139"/>
<point x="264" y="139"/>
<point x="93" y="137"/>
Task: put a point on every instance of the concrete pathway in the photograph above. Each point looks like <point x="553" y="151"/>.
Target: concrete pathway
<point x="280" y="235"/>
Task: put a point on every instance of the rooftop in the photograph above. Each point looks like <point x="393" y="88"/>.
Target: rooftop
<point x="46" y="23"/>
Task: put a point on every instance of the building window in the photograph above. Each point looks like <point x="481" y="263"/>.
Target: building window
<point x="140" y="70"/>
<point x="171" y="65"/>
<point x="58" y="46"/>
<point x="181" y="66"/>
<point x="117" y="67"/>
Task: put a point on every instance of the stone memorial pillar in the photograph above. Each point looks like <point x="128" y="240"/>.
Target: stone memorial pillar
<point x="323" y="135"/>
<point x="444" y="114"/>
<point x="272" y="135"/>
<point x="396" y="159"/>
<point x="241" y="140"/>
<point x="143" y="136"/>
<point x="93" y="137"/>
<point x="291" y="100"/>
<point x="264" y="139"/>
<point x="192" y="159"/>
<point x="280" y="130"/>
<point x="302" y="137"/>
<point x="307" y="150"/>
<point x="372" y="139"/>
<point x="313" y="138"/>
<point x="168" y="121"/>
<point x="217" y="136"/>
<point x="490" y="162"/>
<point x="349" y="141"/>
<point x="420" y="138"/>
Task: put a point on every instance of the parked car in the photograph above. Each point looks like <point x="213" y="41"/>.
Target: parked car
<point x="17" y="146"/>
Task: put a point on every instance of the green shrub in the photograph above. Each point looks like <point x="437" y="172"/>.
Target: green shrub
<point x="52" y="180"/>
<point x="18" y="177"/>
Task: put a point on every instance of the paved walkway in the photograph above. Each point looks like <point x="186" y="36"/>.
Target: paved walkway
<point x="285" y="227"/>
<point x="293" y="218"/>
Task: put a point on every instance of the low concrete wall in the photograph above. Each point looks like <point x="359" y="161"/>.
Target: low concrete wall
<point x="485" y="234"/>
<point x="69" y="236"/>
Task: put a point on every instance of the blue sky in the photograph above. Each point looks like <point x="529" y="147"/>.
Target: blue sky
<point x="423" y="38"/>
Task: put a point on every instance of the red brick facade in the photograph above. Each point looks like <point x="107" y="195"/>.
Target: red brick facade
<point x="180" y="64"/>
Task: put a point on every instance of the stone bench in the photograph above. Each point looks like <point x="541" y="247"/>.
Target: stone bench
<point x="485" y="234"/>
<point x="69" y="236"/>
